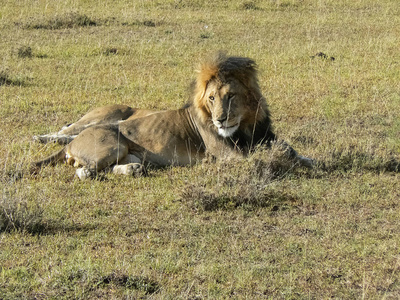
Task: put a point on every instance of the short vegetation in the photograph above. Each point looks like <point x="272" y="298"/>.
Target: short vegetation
<point x="20" y="214"/>
<point x="7" y="79"/>
<point x="260" y="228"/>
<point x="246" y="184"/>
<point x="63" y="21"/>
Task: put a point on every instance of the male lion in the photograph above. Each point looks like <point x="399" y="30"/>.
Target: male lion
<point x="226" y="116"/>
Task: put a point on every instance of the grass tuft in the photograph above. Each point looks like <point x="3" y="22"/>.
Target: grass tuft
<point x="322" y="55"/>
<point x="349" y="159"/>
<point x="110" y="51"/>
<point x="250" y="5"/>
<point x="7" y="79"/>
<point x="205" y="35"/>
<point x="149" y="23"/>
<point x="68" y="20"/>
<point x="140" y="283"/>
<point x="18" y="213"/>
<point x="28" y="52"/>
<point x="25" y="52"/>
<point x="146" y="23"/>
<point x="90" y="280"/>
<point x="245" y="183"/>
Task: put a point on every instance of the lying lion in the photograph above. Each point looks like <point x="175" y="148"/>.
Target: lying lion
<point x="226" y="116"/>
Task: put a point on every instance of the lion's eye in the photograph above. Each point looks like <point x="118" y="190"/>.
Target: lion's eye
<point x="211" y="98"/>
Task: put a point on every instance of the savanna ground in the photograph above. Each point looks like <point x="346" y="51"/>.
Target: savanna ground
<point x="214" y="230"/>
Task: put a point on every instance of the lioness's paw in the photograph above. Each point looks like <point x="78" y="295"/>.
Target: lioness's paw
<point x="83" y="173"/>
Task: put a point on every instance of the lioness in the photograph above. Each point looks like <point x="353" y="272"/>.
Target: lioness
<point x="226" y="116"/>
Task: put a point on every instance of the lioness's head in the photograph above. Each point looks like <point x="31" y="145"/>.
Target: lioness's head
<point x="227" y="94"/>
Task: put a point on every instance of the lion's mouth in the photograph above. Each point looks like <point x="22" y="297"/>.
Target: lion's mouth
<point x="227" y="127"/>
<point x="227" y="131"/>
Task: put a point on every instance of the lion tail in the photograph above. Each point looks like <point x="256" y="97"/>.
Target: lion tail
<point x="51" y="160"/>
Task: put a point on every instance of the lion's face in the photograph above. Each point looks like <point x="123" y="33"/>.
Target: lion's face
<point x="227" y="95"/>
<point x="226" y="104"/>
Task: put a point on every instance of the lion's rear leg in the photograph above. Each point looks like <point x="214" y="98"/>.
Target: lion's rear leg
<point x="102" y="148"/>
<point x="99" y="116"/>
<point x="95" y="149"/>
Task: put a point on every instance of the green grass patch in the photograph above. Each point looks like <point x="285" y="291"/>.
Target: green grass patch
<point x="251" y="229"/>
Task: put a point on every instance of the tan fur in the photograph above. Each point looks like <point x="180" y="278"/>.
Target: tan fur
<point x="226" y="116"/>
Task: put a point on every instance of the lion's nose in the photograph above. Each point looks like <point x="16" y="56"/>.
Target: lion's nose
<point x="222" y="119"/>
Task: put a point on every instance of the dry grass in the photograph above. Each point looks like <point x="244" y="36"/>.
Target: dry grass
<point x="67" y="20"/>
<point x="247" y="184"/>
<point x="243" y="230"/>
<point x="7" y="79"/>
<point x="18" y="213"/>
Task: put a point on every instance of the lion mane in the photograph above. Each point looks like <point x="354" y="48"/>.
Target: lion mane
<point x="226" y="116"/>
<point x="221" y="67"/>
<point x="256" y="125"/>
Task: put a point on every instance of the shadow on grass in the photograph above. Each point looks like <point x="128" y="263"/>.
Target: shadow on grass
<point x="347" y="160"/>
<point x="248" y="197"/>
<point x="7" y="79"/>
<point x="27" y="52"/>
<point x="76" y="20"/>
<point x="68" y="20"/>
<point x="147" y="285"/>
<point x="92" y="283"/>
<point x="21" y="213"/>
<point x="250" y="5"/>
<point x="34" y="223"/>
<point x="249" y="183"/>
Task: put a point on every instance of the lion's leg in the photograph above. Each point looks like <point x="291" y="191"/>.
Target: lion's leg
<point x="103" y="115"/>
<point x="95" y="149"/>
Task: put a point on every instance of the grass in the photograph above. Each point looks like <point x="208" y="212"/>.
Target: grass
<point x="65" y="21"/>
<point x="253" y="229"/>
